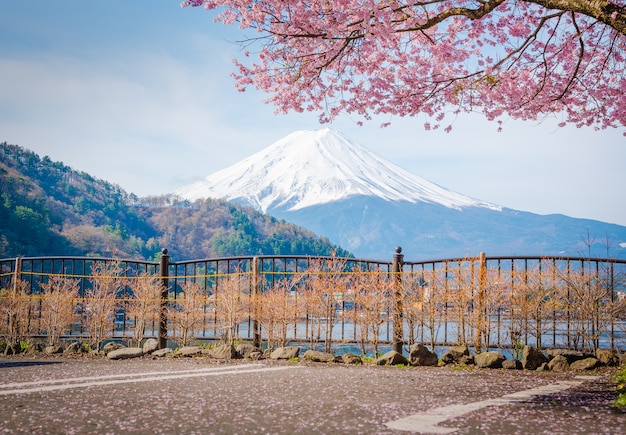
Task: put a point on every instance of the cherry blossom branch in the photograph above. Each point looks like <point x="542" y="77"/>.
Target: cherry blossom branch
<point x="527" y="59"/>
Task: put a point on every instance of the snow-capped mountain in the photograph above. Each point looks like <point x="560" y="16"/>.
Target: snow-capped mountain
<point x="314" y="167"/>
<point x="324" y="182"/>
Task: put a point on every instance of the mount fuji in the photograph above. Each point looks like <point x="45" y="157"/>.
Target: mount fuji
<point x="323" y="181"/>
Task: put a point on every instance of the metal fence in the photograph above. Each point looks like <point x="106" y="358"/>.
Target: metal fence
<point x="487" y="302"/>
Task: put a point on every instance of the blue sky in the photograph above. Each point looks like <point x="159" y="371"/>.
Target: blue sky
<point x="139" y="93"/>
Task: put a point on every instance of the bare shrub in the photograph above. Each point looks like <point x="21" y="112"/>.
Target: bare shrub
<point x="428" y="303"/>
<point x="521" y="305"/>
<point x="232" y="302"/>
<point x="187" y="312"/>
<point x="460" y="289"/>
<point x="541" y="299"/>
<point x="144" y="306"/>
<point x="58" y="307"/>
<point x="278" y="310"/>
<point x="327" y="283"/>
<point x="15" y="306"/>
<point x="495" y="296"/>
<point x="590" y="304"/>
<point x="100" y="301"/>
<point x="618" y="313"/>
<point x="372" y="305"/>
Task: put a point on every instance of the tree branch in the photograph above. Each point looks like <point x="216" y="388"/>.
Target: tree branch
<point x="605" y="11"/>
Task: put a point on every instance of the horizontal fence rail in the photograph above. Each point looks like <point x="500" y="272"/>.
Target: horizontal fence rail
<point x="486" y="302"/>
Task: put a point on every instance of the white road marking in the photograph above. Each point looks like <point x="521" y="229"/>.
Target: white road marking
<point x="120" y="375"/>
<point x="137" y="377"/>
<point x="428" y="422"/>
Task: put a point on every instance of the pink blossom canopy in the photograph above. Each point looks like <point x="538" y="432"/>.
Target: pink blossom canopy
<point x="523" y="59"/>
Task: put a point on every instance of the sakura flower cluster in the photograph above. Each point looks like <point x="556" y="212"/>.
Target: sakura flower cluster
<point x="525" y="59"/>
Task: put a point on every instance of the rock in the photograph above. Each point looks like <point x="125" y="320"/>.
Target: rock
<point x="607" y="357"/>
<point x="287" y="352"/>
<point x="317" y="356"/>
<point x="125" y="353"/>
<point x="512" y="364"/>
<point x="52" y="350"/>
<point x="391" y="358"/>
<point x="245" y="349"/>
<point x="571" y="355"/>
<point x="224" y="351"/>
<point x="532" y="358"/>
<point x="256" y="355"/>
<point x="419" y="355"/>
<point x="543" y="367"/>
<point x="189" y="351"/>
<point x="559" y="364"/>
<point x="457" y="355"/>
<point x="150" y="345"/>
<point x="111" y="346"/>
<point x="162" y="352"/>
<point x="350" y="358"/>
<point x="585" y="364"/>
<point x="75" y="347"/>
<point x="489" y="360"/>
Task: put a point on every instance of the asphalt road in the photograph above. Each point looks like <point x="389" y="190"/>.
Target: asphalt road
<point x="202" y="396"/>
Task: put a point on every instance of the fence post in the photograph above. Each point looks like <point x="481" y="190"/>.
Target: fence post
<point x="482" y="282"/>
<point x="18" y="273"/>
<point x="398" y="327"/>
<point x="612" y="287"/>
<point x="14" y="313"/>
<point x="256" y="337"/>
<point x="164" y="271"/>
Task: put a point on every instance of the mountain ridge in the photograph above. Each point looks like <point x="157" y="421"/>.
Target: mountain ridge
<point x="48" y="208"/>
<point x="425" y="218"/>
<point x="313" y="167"/>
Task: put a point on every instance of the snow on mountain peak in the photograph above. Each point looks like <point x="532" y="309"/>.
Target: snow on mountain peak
<point x="314" y="167"/>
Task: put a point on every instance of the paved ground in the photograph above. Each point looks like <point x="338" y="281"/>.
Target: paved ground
<point x="204" y="396"/>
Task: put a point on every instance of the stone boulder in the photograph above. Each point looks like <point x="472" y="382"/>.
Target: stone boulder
<point x="489" y="360"/>
<point x="607" y="357"/>
<point x="419" y="355"/>
<point x="458" y="355"/>
<point x="52" y="350"/>
<point x="125" y="353"/>
<point x="585" y="364"/>
<point x="189" y="351"/>
<point x="512" y="364"/>
<point x="75" y="347"/>
<point x="350" y="358"/>
<point x="317" y="356"/>
<point x="391" y="358"/>
<point x="150" y="345"/>
<point x="287" y="352"/>
<point x="558" y="364"/>
<point x="255" y="356"/>
<point x="111" y="346"/>
<point x="532" y="358"/>
<point x="570" y="355"/>
<point x="543" y="367"/>
<point x="224" y="351"/>
<point x="159" y="353"/>
<point x="245" y="349"/>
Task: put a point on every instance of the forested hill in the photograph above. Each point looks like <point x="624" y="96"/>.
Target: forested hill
<point x="48" y="208"/>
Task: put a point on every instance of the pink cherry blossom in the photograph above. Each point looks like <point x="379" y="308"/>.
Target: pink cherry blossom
<point x="525" y="59"/>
